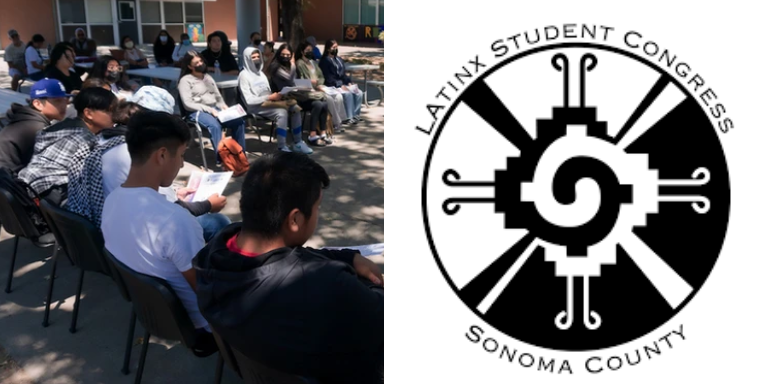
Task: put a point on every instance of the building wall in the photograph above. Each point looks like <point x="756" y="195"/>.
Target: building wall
<point x="27" y="22"/>
<point x="323" y="20"/>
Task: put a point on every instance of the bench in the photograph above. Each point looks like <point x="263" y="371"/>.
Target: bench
<point x="380" y="86"/>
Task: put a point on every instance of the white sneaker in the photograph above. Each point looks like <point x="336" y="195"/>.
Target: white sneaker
<point x="302" y="148"/>
<point x="284" y="149"/>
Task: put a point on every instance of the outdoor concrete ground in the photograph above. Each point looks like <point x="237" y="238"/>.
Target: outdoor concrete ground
<point x="352" y="213"/>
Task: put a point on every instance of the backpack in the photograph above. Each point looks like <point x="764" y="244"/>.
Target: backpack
<point x="21" y="191"/>
<point x="233" y="157"/>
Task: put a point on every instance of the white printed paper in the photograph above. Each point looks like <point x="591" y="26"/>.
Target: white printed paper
<point x="207" y="184"/>
<point x="231" y="113"/>
<point x="304" y="84"/>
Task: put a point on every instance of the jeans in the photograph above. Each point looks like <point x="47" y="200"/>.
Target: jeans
<point x="212" y="223"/>
<point x="353" y="104"/>
<point x="214" y="127"/>
<point x="319" y="111"/>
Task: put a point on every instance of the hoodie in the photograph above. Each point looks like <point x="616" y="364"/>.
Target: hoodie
<point x="299" y="310"/>
<point x="17" y="140"/>
<point x="254" y="84"/>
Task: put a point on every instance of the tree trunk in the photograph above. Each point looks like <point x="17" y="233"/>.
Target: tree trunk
<point x="293" y="22"/>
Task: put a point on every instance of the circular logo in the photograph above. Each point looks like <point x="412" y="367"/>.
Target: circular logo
<point x="576" y="196"/>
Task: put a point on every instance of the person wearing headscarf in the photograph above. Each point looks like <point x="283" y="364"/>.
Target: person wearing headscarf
<point x="254" y="86"/>
<point x="84" y="47"/>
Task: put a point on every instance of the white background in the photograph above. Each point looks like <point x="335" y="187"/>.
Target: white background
<point x="725" y="324"/>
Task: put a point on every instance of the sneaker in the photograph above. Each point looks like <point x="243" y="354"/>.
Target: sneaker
<point x="284" y="149"/>
<point x="318" y="143"/>
<point x="327" y="139"/>
<point x="353" y="121"/>
<point x="358" y="118"/>
<point x="302" y="148"/>
<point x="339" y="129"/>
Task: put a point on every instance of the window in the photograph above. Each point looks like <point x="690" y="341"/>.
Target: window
<point x="150" y="12"/>
<point x="127" y="11"/>
<point x="100" y="12"/>
<point x="365" y="12"/>
<point x="173" y="12"/>
<point x="72" y="11"/>
<point x="173" y="16"/>
<point x="94" y="16"/>
<point x="194" y="12"/>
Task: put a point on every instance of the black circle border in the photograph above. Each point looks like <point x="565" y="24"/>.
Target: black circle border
<point x="460" y="99"/>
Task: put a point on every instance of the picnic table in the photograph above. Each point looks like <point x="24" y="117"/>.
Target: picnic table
<point x="89" y="65"/>
<point x="8" y="97"/>
<point x="365" y="68"/>
<point x="172" y="74"/>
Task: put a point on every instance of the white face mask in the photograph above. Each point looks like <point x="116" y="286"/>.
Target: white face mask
<point x="164" y="39"/>
<point x="129" y="45"/>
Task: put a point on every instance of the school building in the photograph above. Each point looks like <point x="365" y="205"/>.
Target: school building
<point x="107" y="20"/>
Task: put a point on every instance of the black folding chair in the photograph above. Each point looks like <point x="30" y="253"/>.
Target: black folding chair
<point x="17" y="222"/>
<point x="226" y="355"/>
<point x="82" y="242"/>
<point x="254" y="372"/>
<point x="192" y="122"/>
<point x="255" y="117"/>
<point x="158" y="308"/>
<point x="123" y="288"/>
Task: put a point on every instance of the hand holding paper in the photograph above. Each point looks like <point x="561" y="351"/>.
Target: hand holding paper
<point x="207" y="184"/>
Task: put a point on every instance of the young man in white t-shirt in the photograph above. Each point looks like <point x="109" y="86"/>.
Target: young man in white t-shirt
<point x="143" y="229"/>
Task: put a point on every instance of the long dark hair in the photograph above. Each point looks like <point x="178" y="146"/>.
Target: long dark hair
<point x="274" y="62"/>
<point x="170" y="41"/>
<point x="38" y="38"/>
<point x="59" y="50"/>
<point x="186" y="61"/>
<point x="99" y="70"/>
<point x="122" y="41"/>
<point x="299" y="54"/>
<point x="327" y="48"/>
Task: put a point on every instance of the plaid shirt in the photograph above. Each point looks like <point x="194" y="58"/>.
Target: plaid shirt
<point x="60" y="149"/>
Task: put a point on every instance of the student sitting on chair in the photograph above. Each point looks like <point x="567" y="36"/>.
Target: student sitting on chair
<point x="144" y="230"/>
<point x="62" y="148"/>
<point x="255" y="89"/>
<point x="47" y="101"/>
<point x="199" y="93"/>
<point x="310" y="312"/>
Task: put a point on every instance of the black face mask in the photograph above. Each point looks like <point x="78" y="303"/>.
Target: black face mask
<point x="113" y="76"/>
<point x="334" y="52"/>
<point x="309" y="55"/>
<point x="256" y="42"/>
<point x="257" y="63"/>
<point x="202" y="68"/>
<point x="284" y="60"/>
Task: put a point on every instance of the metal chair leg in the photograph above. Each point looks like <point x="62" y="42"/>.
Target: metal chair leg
<point x="143" y="357"/>
<point x="50" y="284"/>
<point x="13" y="263"/>
<point x="272" y="132"/>
<point x="129" y="343"/>
<point x="219" y="369"/>
<point x="73" y="327"/>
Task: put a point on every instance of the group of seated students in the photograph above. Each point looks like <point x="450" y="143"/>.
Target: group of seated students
<point x="311" y="312"/>
<point x="265" y="73"/>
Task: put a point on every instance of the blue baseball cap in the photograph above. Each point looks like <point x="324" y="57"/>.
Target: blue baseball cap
<point x="48" y="88"/>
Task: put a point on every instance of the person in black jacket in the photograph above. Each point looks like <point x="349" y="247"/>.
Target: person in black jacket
<point x="220" y="51"/>
<point x="336" y="77"/>
<point x="61" y="68"/>
<point x="310" y="312"/>
<point x="17" y="140"/>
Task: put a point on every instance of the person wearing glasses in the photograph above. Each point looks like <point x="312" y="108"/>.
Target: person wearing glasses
<point x="107" y="68"/>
